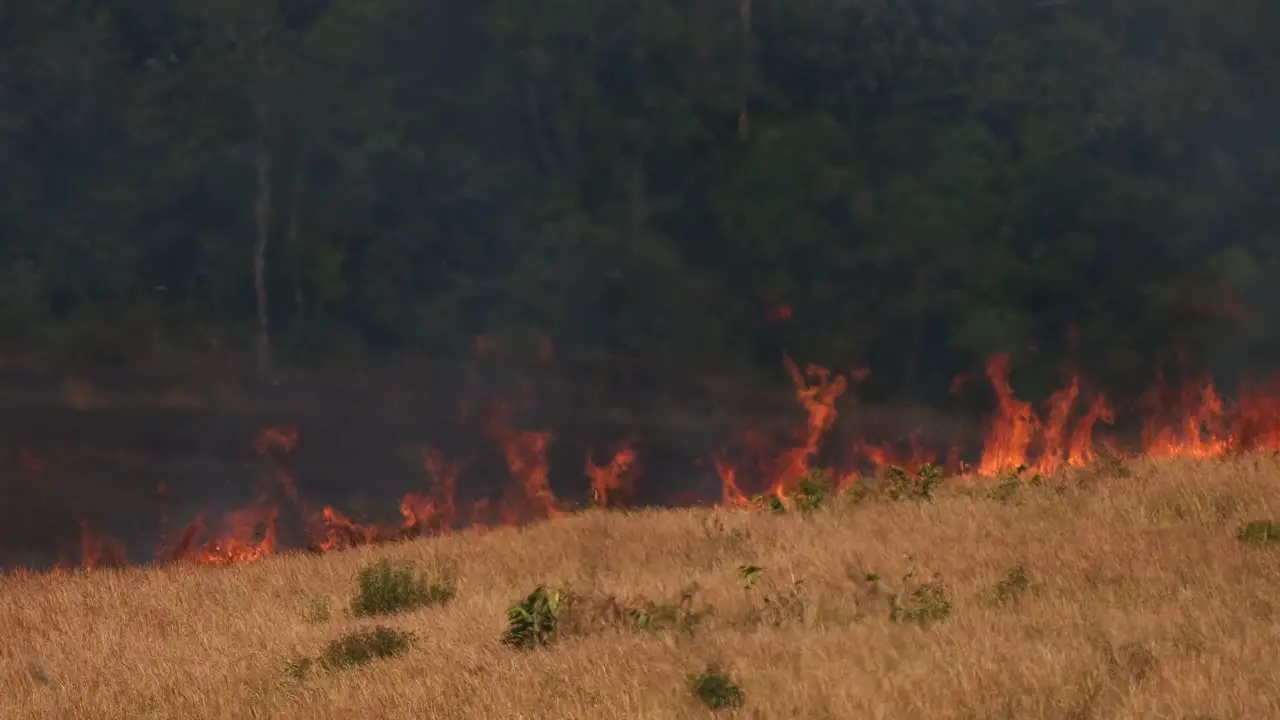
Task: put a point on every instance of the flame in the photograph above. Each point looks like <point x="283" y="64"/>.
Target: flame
<point x="817" y="389"/>
<point x="1257" y="422"/>
<point x="248" y="534"/>
<point x="338" y="532"/>
<point x="1054" y="429"/>
<point x="99" y="551"/>
<point x="526" y="454"/>
<point x="884" y="454"/>
<point x="730" y="494"/>
<point x="1013" y="428"/>
<point x="612" y="477"/>
<point x="1080" y="446"/>
<point x="1184" y="423"/>
<point x="281" y="439"/>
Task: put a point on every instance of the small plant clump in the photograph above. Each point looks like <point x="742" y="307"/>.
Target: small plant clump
<point x="1012" y="586"/>
<point x="1110" y="465"/>
<point x="317" y="610"/>
<point x="811" y="493"/>
<point x="788" y="604"/>
<point x="1011" y="483"/>
<point x="925" y="604"/>
<point x="770" y="502"/>
<point x="386" y="588"/>
<point x="299" y="667"/>
<point x="354" y="648"/>
<point x="1259" y="532"/>
<point x="1006" y="491"/>
<point x="714" y="688"/>
<point x="363" y="646"/>
<point x="533" y="622"/>
<point x="897" y="484"/>
<point x="678" y="615"/>
<point x="813" y="490"/>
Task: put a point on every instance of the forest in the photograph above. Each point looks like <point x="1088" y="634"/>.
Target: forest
<point x="653" y="189"/>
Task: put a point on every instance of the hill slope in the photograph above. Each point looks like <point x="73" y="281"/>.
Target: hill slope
<point x="1092" y="596"/>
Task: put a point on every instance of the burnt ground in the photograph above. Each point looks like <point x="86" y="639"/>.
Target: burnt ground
<point x="73" y="450"/>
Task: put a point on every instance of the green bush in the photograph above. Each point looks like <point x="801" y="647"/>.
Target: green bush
<point x="716" y="690"/>
<point x="363" y="646"/>
<point x="533" y="622"/>
<point x="386" y="588"/>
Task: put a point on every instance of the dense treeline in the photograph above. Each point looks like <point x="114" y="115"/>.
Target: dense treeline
<point x="651" y="182"/>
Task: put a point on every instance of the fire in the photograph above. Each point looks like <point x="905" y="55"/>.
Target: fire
<point x="731" y="495"/>
<point x="1013" y="428"/>
<point x="817" y="389"/>
<point x="1052" y="453"/>
<point x="444" y="474"/>
<point x="1188" y="422"/>
<point x="1080" y="446"/>
<point x="1018" y="437"/>
<point x="337" y="532"/>
<point x="97" y="551"/>
<point x="612" y="477"/>
<point x="1257" y="423"/>
<point x="282" y="439"/>
<point x="884" y="454"/>
<point x="526" y="454"/>
<point x="1192" y="421"/>
<point x="249" y="534"/>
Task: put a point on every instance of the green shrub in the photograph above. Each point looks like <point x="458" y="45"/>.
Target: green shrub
<point x="673" y="615"/>
<point x="386" y="588"/>
<point x="1259" y="532"/>
<point x="895" y="484"/>
<point x="1012" y="586"/>
<point x="925" y="604"/>
<point x="716" y="690"/>
<point x="813" y="490"/>
<point x="533" y="622"/>
<point x="364" y="646"/>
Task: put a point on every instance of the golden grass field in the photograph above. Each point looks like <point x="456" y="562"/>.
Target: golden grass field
<point x="1142" y="603"/>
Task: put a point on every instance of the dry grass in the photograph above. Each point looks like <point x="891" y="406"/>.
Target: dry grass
<point x="1137" y="600"/>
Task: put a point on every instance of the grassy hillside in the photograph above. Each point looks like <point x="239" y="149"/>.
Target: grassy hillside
<point x="1118" y="592"/>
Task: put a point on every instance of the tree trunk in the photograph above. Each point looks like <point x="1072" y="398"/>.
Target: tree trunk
<point x="295" y="231"/>
<point x="263" y="216"/>
<point x="744" y="69"/>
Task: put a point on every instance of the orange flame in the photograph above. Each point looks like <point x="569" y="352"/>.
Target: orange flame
<point x="819" y="402"/>
<point x="730" y="494"/>
<point x="526" y="454"/>
<point x="610" y="478"/>
<point x="883" y="455"/>
<point x="1013" y="428"/>
<point x="97" y="551"/>
<point x="1080" y="450"/>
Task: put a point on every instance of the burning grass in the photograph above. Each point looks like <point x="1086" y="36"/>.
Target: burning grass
<point x="1122" y="590"/>
<point x="1022" y="443"/>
